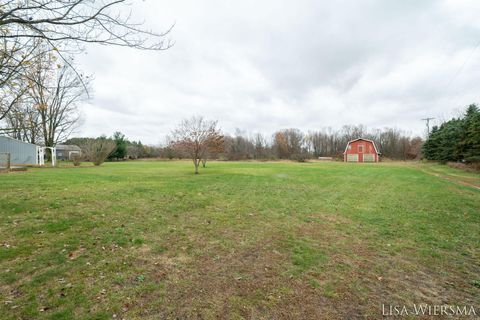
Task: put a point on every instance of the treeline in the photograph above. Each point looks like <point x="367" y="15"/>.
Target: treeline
<point x="456" y="140"/>
<point x="292" y="144"/>
<point x="120" y="147"/>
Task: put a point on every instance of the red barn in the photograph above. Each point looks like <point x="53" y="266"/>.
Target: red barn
<point x="361" y="150"/>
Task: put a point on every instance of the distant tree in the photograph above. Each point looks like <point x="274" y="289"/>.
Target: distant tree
<point x="289" y="144"/>
<point x="238" y="147"/>
<point x="120" y="151"/>
<point x="96" y="150"/>
<point x="261" y="147"/>
<point x="392" y="143"/>
<point x="194" y="137"/>
<point x="134" y="149"/>
<point x="353" y="132"/>
<point x="414" y="149"/>
<point x="168" y="151"/>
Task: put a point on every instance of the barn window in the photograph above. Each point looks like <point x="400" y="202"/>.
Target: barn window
<point x="360" y="148"/>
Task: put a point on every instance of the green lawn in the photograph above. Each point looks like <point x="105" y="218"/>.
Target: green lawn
<point x="241" y="240"/>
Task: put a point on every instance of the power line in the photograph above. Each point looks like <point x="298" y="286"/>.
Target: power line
<point x="461" y="68"/>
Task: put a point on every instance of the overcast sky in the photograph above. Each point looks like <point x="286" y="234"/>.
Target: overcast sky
<point x="308" y="64"/>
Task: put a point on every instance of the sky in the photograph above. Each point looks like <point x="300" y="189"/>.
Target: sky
<point x="266" y="65"/>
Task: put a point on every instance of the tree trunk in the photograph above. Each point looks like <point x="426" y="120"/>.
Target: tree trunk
<point x="196" y="162"/>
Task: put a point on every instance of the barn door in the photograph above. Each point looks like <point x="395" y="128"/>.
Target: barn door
<point x="352" y="157"/>
<point x="368" y="157"/>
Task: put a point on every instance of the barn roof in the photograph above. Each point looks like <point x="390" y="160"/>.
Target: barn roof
<point x="373" y="142"/>
<point x="5" y="138"/>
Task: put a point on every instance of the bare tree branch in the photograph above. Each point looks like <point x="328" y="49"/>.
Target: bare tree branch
<point x="88" y="21"/>
<point x="63" y="26"/>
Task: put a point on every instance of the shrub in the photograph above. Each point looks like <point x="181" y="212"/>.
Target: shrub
<point x="97" y="150"/>
<point x="300" y="157"/>
<point x="76" y="159"/>
<point x="471" y="167"/>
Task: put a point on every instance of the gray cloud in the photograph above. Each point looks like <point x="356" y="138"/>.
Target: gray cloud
<point x="261" y="66"/>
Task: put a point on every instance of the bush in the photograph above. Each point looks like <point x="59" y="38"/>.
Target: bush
<point x="97" y="150"/>
<point x="76" y="159"/>
<point x="300" y="157"/>
<point x="471" y="167"/>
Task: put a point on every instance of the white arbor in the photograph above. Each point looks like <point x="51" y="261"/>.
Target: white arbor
<point x="41" y="156"/>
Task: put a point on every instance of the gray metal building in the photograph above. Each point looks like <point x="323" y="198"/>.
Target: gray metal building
<point x="21" y="153"/>
<point x="65" y="152"/>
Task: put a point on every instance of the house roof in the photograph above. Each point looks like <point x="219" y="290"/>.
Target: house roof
<point x="373" y="142"/>
<point x="70" y="147"/>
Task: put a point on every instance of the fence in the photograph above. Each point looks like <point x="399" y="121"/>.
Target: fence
<point x="4" y="161"/>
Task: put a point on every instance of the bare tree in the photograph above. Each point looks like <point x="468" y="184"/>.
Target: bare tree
<point x="289" y="143"/>
<point x="23" y="122"/>
<point x="194" y="138"/>
<point x="261" y="147"/>
<point x="62" y="26"/>
<point x="238" y="147"/>
<point x="97" y="150"/>
<point x="56" y="91"/>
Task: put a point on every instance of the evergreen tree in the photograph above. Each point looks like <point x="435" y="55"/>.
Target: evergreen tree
<point x="456" y="139"/>
<point x="121" y="143"/>
<point x="471" y="151"/>
<point x="449" y="139"/>
<point x="430" y="147"/>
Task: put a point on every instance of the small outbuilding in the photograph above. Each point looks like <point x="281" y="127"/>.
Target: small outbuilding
<point x="361" y="150"/>
<point x="65" y="151"/>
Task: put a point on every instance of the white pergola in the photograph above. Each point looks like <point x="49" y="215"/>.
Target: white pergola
<point x="41" y="156"/>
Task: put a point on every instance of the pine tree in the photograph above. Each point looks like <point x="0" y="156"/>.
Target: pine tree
<point x="121" y="150"/>
<point x="430" y="147"/>
<point x="449" y="139"/>
<point x="456" y="139"/>
<point x="472" y="135"/>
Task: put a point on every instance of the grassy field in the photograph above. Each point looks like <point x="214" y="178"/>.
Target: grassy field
<point x="241" y="240"/>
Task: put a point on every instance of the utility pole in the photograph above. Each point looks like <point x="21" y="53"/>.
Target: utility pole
<point x="427" y="120"/>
